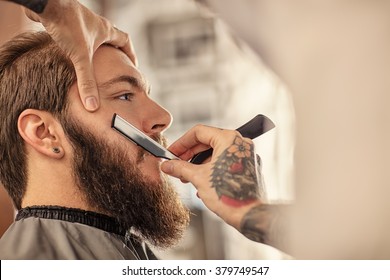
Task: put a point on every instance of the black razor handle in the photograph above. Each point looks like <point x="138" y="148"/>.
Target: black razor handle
<point x="257" y="126"/>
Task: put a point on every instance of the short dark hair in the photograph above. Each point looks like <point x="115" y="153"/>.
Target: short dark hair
<point x="34" y="73"/>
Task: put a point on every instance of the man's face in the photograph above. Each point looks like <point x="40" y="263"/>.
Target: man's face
<point x="122" y="90"/>
<point x="117" y="177"/>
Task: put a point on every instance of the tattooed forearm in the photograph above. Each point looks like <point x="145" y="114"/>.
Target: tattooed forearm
<point x="266" y="224"/>
<point x="34" y="5"/>
<point x="238" y="182"/>
<point x="234" y="174"/>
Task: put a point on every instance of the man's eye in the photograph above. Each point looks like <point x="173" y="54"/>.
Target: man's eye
<point x="126" y="96"/>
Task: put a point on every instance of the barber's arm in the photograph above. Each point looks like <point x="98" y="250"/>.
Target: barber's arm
<point x="79" y="32"/>
<point x="228" y="183"/>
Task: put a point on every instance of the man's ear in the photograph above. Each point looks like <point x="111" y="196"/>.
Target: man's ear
<point x="41" y="131"/>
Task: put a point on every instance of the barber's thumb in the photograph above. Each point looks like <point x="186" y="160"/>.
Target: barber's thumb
<point x="87" y="86"/>
<point x="178" y="168"/>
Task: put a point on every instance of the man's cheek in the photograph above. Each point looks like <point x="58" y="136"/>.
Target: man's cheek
<point x="150" y="169"/>
<point x="118" y="142"/>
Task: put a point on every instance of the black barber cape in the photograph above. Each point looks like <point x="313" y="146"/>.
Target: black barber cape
<point x="58" y="233"/>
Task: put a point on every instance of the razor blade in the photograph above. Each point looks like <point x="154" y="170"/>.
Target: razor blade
<point x="141" y="139"/>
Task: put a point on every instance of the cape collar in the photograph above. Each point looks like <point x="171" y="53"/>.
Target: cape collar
<point x="73" y="215"/>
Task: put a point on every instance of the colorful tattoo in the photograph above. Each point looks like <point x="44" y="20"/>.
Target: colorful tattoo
<point x="234" y="174"/>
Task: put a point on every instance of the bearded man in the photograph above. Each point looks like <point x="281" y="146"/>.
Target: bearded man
<point x="82" y="191"/>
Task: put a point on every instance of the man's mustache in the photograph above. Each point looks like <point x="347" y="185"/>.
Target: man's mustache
<point x="159" y="138"/>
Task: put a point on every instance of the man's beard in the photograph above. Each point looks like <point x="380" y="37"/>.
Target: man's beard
<point x="112" y="184"/>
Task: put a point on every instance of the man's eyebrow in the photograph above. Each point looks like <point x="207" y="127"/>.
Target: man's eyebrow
<point x="125" y="79"/>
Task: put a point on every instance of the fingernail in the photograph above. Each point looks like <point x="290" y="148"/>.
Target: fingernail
<point x="91" y="103"/>
<point x="167" y="167"/>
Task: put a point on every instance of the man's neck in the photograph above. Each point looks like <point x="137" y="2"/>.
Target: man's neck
<point x="54" y="187"/>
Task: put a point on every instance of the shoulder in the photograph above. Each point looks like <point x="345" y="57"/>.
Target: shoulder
<point x="31" y="238"/>
<point x="36" y="238"/>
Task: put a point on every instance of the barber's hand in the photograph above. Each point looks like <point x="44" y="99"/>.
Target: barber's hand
<point x="79" y="32"/>
<point x="228" y="182"/>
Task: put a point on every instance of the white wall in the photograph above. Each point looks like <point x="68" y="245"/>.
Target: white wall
<point x="334" y="56"/>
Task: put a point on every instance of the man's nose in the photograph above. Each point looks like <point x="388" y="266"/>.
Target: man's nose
<point x="156" y="120"/>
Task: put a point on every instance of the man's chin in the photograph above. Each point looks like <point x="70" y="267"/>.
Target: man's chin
<point x="150" y="168"/>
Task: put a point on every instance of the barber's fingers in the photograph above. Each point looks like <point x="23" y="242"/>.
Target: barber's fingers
<point x="200" y="138"/>
<point x="82" y="61"/>
<point x="84" y="67"/>
<point x="185" y="171"/>
<point x="122" y="40"/>
<point x="117" y="38"/>
<point x="86" y="83"/>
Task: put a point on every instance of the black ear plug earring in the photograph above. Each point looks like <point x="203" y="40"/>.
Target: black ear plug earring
<point x="56" y="150"/>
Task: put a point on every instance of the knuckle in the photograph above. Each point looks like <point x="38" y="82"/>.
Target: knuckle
<point x="87" y="84"/>
<point x="237" y="134"/>
<point x="81" y="57"/>
<point x="126" y="37"/>
<point x="105" y="23"/>
<point x="198" y="126"/>
<point x="177" y="169"/>
<point x="231" y="133"/>
<point x="248" y="140"/>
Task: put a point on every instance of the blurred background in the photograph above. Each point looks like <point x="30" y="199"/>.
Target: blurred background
<point x="318" y="68"/>
<point x="201" y="73"/>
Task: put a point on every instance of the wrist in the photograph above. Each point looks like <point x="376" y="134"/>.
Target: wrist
<point x="237" y="215"/>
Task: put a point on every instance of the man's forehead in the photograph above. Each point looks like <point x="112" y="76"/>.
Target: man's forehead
<point x="112" y="66"/>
